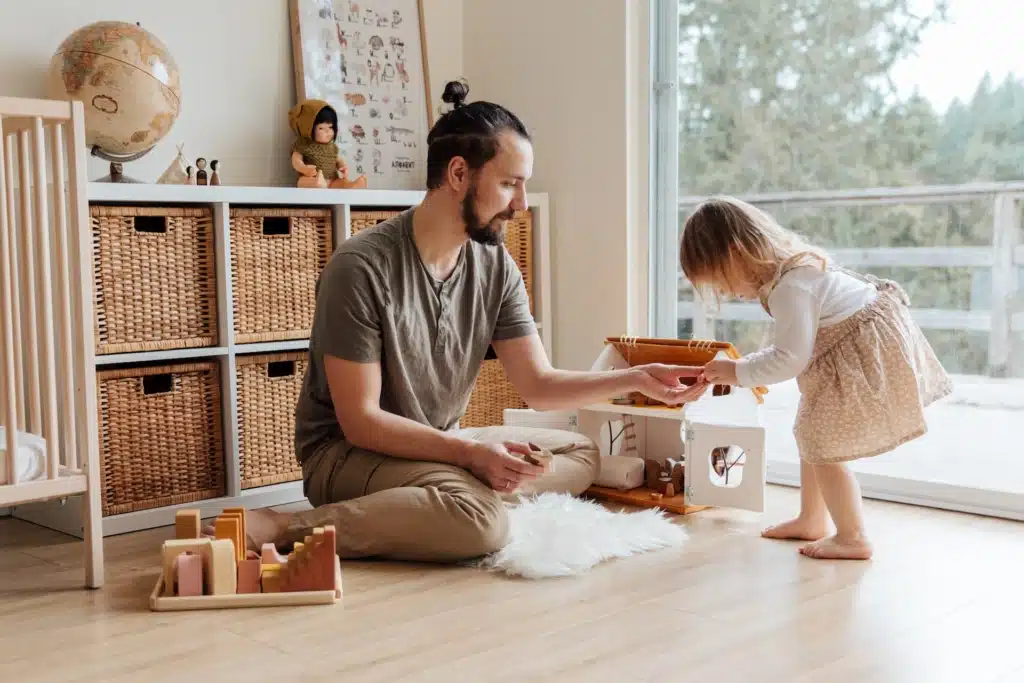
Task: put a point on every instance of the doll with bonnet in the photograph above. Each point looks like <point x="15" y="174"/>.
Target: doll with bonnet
<point x="315" y="154"/>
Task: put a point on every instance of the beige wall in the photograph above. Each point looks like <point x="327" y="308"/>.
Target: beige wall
<point x="234" y="100"/>
<point x="584" y="95"/>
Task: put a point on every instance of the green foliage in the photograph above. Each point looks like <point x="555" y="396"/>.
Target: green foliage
<point x="796" y="95"/>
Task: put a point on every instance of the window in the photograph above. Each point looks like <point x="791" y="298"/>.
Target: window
<point x="892" y="134"/>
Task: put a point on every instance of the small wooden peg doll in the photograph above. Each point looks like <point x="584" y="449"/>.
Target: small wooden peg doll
<point x="315" y="155"/>
<point x="214" y="176"/>
<point x="201" y="178"/>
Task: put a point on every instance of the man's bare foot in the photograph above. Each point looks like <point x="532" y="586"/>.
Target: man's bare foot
<point x="799" y="529"/>
<point x="262" y="525"/>
<point x="835" y="548"/>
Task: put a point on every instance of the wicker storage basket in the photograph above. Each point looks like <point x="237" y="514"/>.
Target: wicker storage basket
<point x="519" y="242"/>
<point x="276" y="257"/>
<point x="268" y="389"/>
<point x="361" y="220"/>
<point x="155" y="275"/>
<point x="160" y="436"/>
<point x="492" y="394"/>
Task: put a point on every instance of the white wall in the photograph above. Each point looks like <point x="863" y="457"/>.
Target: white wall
<point x="584" y="95"/>
<point x="234" y="99"/>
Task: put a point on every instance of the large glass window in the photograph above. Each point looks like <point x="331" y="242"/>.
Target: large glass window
<point x="890" y="132"/>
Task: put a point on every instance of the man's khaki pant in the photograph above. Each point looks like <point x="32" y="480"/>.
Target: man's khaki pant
<point x="395" y="508"/>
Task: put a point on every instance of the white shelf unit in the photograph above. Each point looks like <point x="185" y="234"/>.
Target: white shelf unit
<point x="56" y="514"/>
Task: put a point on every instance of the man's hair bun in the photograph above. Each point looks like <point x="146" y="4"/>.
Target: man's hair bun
<point x="455" y="93"/>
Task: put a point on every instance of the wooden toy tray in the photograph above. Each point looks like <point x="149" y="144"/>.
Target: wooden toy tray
<point x="159" y="602"/>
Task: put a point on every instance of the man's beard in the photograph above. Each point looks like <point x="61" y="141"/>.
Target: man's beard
<point x="492" y="232"/>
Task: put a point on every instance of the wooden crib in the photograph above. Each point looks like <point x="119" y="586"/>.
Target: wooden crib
<point x="50" y="446"/>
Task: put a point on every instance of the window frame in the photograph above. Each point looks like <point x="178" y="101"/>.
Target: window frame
<point x="663" y="257"/>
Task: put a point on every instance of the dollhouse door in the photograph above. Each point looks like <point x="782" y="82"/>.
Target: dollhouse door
<point x="725" y="453"/>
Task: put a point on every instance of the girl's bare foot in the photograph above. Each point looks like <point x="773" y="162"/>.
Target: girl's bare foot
<point x="799" y="529"/>
<point x="836" y="548"/>
<point x="262" y="525"/>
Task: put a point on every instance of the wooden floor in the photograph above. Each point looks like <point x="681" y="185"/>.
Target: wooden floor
<point x="942" y="601"/>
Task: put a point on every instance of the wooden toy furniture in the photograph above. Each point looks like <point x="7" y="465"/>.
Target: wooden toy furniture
<point x="218" y="573"/>
<point x="48" y="435"/>
<point x="687" y="454"/>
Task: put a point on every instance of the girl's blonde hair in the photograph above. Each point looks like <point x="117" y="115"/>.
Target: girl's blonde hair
<point x="725" y="237"/>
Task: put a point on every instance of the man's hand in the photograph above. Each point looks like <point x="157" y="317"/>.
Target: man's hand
<point x="496" y="465"/>
<point x="662" y="382"/>
<point x="720" y="372"/>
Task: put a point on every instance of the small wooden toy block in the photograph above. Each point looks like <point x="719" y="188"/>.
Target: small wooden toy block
<point x="178" y="546"/>
<point x="249" y="576"/>
<point x="310" y="564"/>
<point x="271" y="556"/>
<point x="205" y="573"/>
<point x="240" y="512"/>
<point x="539" y="456"/>
<point x="229" y="526"/>
<point x="187" y="524"/>
<point x="188" y="571"/>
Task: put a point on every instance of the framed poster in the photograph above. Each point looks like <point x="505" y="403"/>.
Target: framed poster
<point x="367" y="59"/>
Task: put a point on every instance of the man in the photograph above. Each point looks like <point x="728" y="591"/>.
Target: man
<point x="405" y="314"/>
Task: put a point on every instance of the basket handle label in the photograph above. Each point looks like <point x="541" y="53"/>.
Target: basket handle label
<point x="154" y="385"/>
<point x="275" y="226"/>
<point x="153" y="224"/>
<point x="281" y="368"/>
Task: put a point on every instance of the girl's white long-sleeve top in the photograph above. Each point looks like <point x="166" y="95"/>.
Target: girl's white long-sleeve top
<point x="805" y="299"/>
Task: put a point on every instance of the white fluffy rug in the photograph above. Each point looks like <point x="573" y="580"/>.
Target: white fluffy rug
<point x="559" y="535"/>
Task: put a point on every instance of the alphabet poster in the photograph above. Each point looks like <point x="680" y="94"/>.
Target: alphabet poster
<point x="367" y="59"/>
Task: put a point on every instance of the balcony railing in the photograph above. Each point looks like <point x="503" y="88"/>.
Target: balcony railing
<point x="1002" y="318"/>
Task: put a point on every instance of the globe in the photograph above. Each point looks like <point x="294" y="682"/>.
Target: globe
<point x="128" y="83"/>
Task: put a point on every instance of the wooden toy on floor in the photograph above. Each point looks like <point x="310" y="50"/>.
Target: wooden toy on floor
<point x="187" y="524"/>
<point x="203" y="573"/>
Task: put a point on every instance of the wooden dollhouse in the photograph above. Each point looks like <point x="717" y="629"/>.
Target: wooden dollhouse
<point x="710" y="452"/>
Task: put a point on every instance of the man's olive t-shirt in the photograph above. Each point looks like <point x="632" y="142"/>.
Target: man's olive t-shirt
<point x="376" y="301"/>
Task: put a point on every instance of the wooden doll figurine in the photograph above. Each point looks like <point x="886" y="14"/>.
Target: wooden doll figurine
<point x="201" y="178"/>
<point x="315" y="154"/>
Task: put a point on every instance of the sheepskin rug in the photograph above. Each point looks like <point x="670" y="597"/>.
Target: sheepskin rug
<point x="553" y="534"/>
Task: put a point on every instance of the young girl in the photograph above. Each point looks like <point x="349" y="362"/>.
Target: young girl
<point x="864" y="368"/>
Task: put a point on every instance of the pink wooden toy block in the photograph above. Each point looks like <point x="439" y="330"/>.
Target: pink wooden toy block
<point x="271" y="556"/>
<point x="249" y="576"/>
<point x="189" y="571"/>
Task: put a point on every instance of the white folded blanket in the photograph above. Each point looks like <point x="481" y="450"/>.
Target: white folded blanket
<point x="29" y="457"/>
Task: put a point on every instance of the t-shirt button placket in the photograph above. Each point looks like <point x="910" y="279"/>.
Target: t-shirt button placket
<point x="442" y="321"/>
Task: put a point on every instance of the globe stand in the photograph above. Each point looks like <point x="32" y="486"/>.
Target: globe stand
<point x="116" y="174"/>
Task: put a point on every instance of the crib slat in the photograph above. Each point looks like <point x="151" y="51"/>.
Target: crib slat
<point x="29" y="324"/>
<point x="44" y="294"/>
<point x="10" y="143"/>
<point x="65" y="339"/>
<point x="7" y="343"/>
<point x="85" y="351"/>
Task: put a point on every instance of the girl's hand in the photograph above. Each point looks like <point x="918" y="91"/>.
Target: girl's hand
<point x="662" y="383"/>
<point x="720" y="372"/>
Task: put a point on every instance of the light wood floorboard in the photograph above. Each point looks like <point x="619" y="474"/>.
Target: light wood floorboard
<point x="940" y="602"/>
